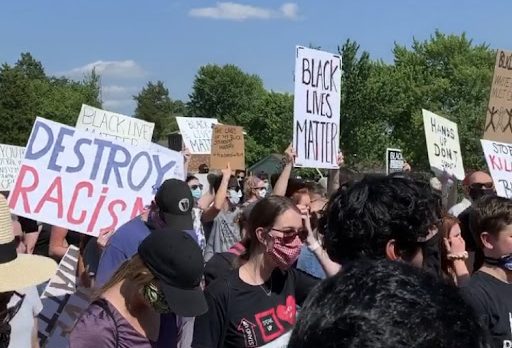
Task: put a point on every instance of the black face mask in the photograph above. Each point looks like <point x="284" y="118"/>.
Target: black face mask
<point x="478" y="192"/>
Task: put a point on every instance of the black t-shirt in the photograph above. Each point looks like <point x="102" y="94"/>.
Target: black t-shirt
<point x="492" y="301"/>
<point x="242" y="315"/>
<point x="218" y="266"/>
<point x="43" y="241"/>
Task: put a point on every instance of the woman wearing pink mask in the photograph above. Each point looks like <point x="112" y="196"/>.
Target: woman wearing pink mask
<point x="255" y="305"/>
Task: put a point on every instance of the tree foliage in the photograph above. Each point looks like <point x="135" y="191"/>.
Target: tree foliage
<point x="27" y="92"/>
<point x="154" y="105"/>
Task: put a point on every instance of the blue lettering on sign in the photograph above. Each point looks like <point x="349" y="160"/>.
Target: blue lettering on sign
<point x="131" y="170"/>
<point x="114" y="165"/>
<point x="160" y="171"/>
<point x="99" y="155"/>
<point x="29" y="152"/>
<point x="79" y="155"/>
<point x="58" y="148"/>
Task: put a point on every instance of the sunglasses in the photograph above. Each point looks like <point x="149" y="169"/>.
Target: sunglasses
<point x="260" y="188"/>
<point x="481" y="185"/>
<point x="195" y="187"/>
<point x="290" y="234"/>
<point x="240" y="177"/>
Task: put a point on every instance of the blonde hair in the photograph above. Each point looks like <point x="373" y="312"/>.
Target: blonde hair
<point x="250" y="184"/>
<point x="134" y="270"/>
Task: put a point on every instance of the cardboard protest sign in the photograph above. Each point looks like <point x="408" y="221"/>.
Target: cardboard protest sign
<point x="499" y="161"/>
<point x="10" y="161"/>
<point x="72" y="179"/>
<point x="62" y="302"/>
<point x="394" y="161"/>
<point x="227" y="147"/>
<point x="498" y="122"/>
<point x="197" y="133"/>
<point x="115" y="126"/>
<point x="443" y="146"/>
<point x="316" y="108"/>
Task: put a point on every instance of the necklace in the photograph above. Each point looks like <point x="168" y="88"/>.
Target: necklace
<point x="269" y="292"/>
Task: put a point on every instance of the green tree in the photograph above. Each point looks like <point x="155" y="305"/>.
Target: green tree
<point x="447" y="75"/>
<point x="26" y="92"/>
<point x="154" y="105"/>
<point x="225" y="93"/>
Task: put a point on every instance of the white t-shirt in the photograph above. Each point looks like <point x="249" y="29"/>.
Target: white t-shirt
<point x="460" y="207"/>
<point x="22" y="324"/>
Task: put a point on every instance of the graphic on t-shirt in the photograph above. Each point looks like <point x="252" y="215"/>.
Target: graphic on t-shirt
<point x="288" y="311"/>
<point x="270" y="327"/>
<point x="247" y="329"/>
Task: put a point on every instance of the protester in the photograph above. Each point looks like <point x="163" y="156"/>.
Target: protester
<point x="19" y="299"/>
<point x="199" y="205"/>
<point x="381" y="217"/>
<point x="221" y="264"/>
<point x="137" y="307"/>
<point x="203" y="168"/>
<point x="474" y="186"/>
<point x="254" y="189"/>
<point x="386" y="305"/>
<point x="308" y="262"/>
<point x="489" y="289"/>
<point x="224" y="229"/>
<point x="453" y="251"/>
<point x="257" y="301"/>
<point x="171" y="208"/>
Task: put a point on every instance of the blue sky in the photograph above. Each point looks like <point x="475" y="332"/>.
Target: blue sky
<point x="131" y="42"/>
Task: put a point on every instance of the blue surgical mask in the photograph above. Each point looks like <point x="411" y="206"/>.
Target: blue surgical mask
<point x="197" y="193"/>
<point x="504" y="262"/>
<point x="234" y="196"/>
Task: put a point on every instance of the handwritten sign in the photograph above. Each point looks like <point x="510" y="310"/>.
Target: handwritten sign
<point x="443" y="146"/>
<point x="62" y="302"/>
<point x="316" y="110"/>
<point x="499" y="161"/>
<point x="498" y="123"/>
<point x="197" y="133"/>
<point x="227" y="147"/>
<point x="115" y="126"/>
<point x="394" y="161"/>
<point x="10" y="160"/>
<point x="71" y="178"/>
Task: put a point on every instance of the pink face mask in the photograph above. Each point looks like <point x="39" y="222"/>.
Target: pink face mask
<point x="285" y="254"/>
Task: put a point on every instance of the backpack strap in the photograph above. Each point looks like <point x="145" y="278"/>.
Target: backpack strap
<point x="102" y="303"/>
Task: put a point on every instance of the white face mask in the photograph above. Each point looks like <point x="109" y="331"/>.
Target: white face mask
<point x="234" y="196"/>
<point x="262" y="193"/>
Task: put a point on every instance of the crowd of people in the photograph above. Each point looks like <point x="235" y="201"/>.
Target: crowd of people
<point x="354" y="260"/>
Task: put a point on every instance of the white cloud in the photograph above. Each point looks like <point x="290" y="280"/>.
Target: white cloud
<point x="117" y="92"/>
<point x="113" y="68"/>
<point x="240" y="12"/>
<point x="119" y="98"/>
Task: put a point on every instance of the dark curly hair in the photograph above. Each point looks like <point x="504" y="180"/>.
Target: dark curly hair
<point x="364" y="216"/>
<point x="386" y="304"/>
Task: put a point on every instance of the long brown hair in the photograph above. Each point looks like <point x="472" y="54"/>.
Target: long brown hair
<point x="447" y="224"/>
<point x="134" y="270"/>
<point x="264" y="214"/>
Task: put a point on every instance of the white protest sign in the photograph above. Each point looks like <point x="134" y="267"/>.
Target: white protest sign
<point x="443" y="145"/>
<point x="394" y="161"/>
<point x="62" y="303"/>
<point x="10" y="161"/>
<point x="316" y="109"/>
<point x="499" y="161"/>
<point x="72" y="179"/>
<point x="115" y="126"/>
<point x="197" y="133"/>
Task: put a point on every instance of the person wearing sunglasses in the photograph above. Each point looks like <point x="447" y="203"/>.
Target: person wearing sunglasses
<point x="255" y="304"/>
<point x="254" y="190"/>
<point x="474" y="186"/>
<point x="19" y="274"/>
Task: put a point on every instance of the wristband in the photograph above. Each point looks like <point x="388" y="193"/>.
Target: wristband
<point x="461" y="256"/>
<point x="314" y="246"/>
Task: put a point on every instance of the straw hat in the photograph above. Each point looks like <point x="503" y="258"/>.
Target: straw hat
<point x="19" y="271"/>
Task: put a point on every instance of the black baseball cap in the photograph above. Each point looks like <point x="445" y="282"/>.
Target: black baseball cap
<point x="175" y="202"/>
<point x="176" y="261"/>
